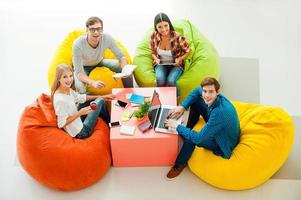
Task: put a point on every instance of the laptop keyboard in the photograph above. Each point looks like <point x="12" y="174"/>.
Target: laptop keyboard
<point x="163" y="117"/>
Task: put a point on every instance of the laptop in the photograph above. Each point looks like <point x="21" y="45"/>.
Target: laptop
<point x="158" y="113"/>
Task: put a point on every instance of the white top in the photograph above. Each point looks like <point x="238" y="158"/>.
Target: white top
<point x="165" y="56"/>
<point x="66" y="106"/>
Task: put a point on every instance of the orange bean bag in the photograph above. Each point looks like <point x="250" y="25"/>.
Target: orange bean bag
<point x="54" y="158"/>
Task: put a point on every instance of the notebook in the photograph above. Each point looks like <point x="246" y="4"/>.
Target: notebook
<point x="136" y="99"/>
<point x="127" y="130"/>
<point x="126" y="71"/>
<point x="164" y="64"/>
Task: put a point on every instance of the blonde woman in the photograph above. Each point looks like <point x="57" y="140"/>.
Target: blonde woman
<point x="65" y="100"/>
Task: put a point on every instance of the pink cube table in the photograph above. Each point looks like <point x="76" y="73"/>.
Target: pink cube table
<point x="142" y="149"/>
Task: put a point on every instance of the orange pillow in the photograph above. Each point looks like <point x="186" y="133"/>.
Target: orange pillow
<point x="54" y="158"/>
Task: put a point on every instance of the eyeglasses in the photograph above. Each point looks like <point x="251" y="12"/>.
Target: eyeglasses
<point x="99" y="30"/>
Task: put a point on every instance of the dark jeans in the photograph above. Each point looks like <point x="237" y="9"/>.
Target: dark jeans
<point x="196" y="109"/>
<point x="89" y="121"/>
<point x="113" y="65"/>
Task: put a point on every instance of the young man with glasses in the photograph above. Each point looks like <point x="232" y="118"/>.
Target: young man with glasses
<point x="87" y="53"/>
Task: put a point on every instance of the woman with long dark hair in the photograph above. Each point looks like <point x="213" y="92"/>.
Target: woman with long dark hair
<point x="169" y="49"/>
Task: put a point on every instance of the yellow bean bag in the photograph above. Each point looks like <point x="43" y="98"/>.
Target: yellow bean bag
<point x="105" y="75"/>
<point x="64" y="55"/>
<point x="267" y="135"/>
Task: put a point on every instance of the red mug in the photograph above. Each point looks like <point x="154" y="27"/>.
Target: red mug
<point x="93" y="105"/>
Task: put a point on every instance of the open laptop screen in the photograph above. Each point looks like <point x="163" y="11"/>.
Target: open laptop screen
<point x="155" y="106"/>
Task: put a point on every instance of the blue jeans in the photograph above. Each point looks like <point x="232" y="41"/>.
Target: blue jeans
<point x="112" y="64"/>
<point x="196" y="109"/>
<point x="89" y="121"/>
<point x="168" y="75"/>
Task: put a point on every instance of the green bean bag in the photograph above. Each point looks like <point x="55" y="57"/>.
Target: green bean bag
<point x="203" y="60"/>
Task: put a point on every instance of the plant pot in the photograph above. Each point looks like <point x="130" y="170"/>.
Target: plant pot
<point x="141" y="118"/>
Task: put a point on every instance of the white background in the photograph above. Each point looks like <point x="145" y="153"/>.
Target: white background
<point x="31" y="31"/>
<point x="268" y="30"/>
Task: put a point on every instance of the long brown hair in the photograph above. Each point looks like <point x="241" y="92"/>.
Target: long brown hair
<point x="58" y="75"/>
<point x="162" y="17"/>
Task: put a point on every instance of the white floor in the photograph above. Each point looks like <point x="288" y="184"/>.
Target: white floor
<point x="147" y="183"/>
<point x="30" y="32"/>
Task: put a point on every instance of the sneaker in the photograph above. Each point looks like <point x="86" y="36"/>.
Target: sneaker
<point x="175" y="171"/>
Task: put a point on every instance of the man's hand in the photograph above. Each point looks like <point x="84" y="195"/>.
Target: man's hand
<point x="125" y="76"/>
<point x="176" y="113"/>
<point x="108" y="97"/>
<point x="123" y="62"/>
<point x="97" y="84"/>
<point x="171" y="123"/>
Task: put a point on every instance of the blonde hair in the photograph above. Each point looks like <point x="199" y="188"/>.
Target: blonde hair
<point x="58" y="75"/>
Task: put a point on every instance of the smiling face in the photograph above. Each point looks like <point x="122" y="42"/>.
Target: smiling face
<point x="94" y="33"/>
<point x="163" y="28"/>
<point x="209" y="94"/>
<point x="66" y="79"/>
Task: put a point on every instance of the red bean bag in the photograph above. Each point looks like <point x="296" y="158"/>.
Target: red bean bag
<point x="54" y="158"/>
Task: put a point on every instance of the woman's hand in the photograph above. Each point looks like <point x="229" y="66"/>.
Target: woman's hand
<point x="108" y="97"/>
<point x="178" y="61"/>
<point x="157" y="61"/>
<point x="85" y="110"/>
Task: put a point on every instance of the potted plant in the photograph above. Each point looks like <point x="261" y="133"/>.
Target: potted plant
<point x="142" y="110"/>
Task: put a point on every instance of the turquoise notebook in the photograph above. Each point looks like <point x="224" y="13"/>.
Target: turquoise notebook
<point x="136" y="99"/>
